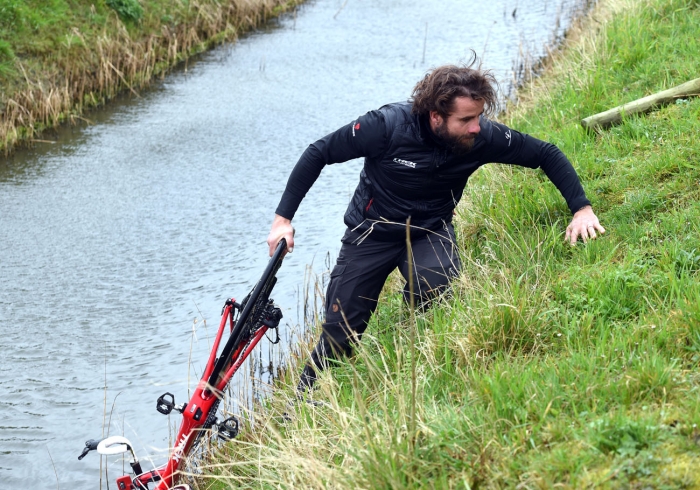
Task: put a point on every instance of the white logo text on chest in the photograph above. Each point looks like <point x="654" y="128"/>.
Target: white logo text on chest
<point x="405" y="162"/>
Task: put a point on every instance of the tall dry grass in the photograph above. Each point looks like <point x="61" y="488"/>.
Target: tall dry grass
<point x="90" y="69"/>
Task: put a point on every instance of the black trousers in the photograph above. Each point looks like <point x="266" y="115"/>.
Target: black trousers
<point x="360" y="272"/>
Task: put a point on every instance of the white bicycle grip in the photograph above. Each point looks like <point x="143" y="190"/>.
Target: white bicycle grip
<point x="114" y="445"/>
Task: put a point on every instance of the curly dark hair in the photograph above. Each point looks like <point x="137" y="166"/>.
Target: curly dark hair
<point x="438" y="89"/>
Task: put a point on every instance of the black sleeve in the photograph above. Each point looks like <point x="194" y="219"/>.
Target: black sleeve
<point x="364" y="137"/>
<point x="509" y="146"/>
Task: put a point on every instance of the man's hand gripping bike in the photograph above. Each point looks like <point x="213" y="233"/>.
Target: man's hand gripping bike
<point x="256" y="314"/>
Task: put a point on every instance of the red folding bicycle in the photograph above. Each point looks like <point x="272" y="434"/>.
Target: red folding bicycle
<point x="257" y="313"/>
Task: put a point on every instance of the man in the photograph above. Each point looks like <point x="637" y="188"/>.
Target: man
<point x="418" y="157"/>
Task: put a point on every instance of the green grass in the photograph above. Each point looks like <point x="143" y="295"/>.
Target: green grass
<point x="60" y="57"/>
<point x="549" y="365"/>
<point x="42" y="33"/>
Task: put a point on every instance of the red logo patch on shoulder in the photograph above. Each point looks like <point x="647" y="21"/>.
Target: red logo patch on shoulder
<point x="357" y="126"/>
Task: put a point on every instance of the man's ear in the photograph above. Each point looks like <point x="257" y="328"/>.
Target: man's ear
<point x="435" y="119"/>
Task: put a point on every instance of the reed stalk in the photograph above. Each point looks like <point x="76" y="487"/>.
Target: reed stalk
<point x="412" y="337"/>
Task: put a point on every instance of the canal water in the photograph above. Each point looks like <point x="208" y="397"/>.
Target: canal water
<point x="120" y="242"/>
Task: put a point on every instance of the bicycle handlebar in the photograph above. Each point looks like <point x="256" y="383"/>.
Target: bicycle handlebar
<point x="114" y="445"/>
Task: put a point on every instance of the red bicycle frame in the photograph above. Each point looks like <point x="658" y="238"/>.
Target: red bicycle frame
<point x="257" y="314"/>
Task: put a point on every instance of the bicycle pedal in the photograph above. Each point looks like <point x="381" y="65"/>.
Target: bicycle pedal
<point x="165" y="403"/>
<point x="228" y="429"/>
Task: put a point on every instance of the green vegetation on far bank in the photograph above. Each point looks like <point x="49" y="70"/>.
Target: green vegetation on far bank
<point x="59" y="57"/>
<point x="549" y="365"/>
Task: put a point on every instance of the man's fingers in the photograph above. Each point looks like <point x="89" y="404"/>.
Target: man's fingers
<point x="585" y="225"/>
<point x="584" y="235"/>
<point x="290" y="242"/>
<point x="574" y="237"/>
<point x="273" y="244"/>
<point x="281" y="228"/>
<point x="571" y="235"/>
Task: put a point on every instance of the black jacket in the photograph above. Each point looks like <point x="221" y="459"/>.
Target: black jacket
<point x="409" y="172"/>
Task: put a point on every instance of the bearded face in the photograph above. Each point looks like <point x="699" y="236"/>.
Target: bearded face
<point x="459" y="129"/>
<point x="460" y="144"/>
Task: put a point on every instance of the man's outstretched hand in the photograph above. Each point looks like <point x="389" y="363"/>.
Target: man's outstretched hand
<point x="584" y="224"/>
<point x="281" y="228"/>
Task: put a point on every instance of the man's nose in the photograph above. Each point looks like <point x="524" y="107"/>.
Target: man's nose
<point x="474" y="128"/>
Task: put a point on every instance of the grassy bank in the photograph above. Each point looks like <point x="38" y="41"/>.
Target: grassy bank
<point x="61" y="57"/>
<point x="549" y="365"/>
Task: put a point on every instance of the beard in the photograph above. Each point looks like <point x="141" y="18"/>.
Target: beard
<point x="459" y="144"/>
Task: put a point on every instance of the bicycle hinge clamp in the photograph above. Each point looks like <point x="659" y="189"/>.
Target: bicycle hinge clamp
<point x="232" y="303"/>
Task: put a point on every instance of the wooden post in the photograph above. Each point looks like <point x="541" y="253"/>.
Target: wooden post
<point x="645" y="104"/>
